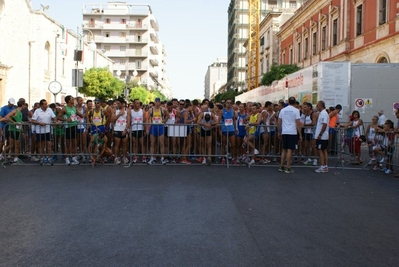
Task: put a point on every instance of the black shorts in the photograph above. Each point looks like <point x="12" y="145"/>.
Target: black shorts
<point x="321" y="144"/>
<point x="138" y="134"/>
<point x="290" y="141"/>
<point x="205" y="133"/>
<point x="308" y="136"/>
<point x="45" y="137"/>
<point x="15" y="135"/>
<point x="70" y="133"/>
<point x="118" y="134"/>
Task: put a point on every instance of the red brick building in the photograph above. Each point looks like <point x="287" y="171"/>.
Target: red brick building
<point x="341" y="30"/>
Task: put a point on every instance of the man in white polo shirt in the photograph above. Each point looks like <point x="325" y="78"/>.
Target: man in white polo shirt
<point x="321" y="135"/>
<point x="288" y="127"/>
<point x="43" y="117"/>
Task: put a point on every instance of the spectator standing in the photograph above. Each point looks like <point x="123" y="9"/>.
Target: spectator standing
<point x="288" y="128"/>
<point x="381" y="118"/>
<point x="321" y="134"/>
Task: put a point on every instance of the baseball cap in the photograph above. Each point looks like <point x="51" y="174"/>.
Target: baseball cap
<point x="11" y="101"/>
<point x="381" y="111"/>
<point x="157" y="99"/>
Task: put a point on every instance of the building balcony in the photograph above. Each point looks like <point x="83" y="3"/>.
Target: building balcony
<point x="136" y="40"/>
<point x="113" y="26"/>
<point x="110" y="40"/>
<point x="137" y="26"/>
<point x="154" y="74"/>
<point x="154" y="24"/>
<point x="154" y="62"/>
<point x="110" y="9"/>
<point x="154" y="37"/>
<point x="154" y="50"/>
<point x="124" y="54"/>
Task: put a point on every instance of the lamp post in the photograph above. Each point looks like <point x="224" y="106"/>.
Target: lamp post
<point x="78" y="52"/>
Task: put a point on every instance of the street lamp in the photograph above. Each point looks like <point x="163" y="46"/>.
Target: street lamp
<point x="78" y="52"/>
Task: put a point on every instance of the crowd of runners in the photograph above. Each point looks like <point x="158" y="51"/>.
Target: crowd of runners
<point x="184" y="131"/>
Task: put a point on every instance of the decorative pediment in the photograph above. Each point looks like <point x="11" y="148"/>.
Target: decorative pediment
<point x="334" y="9"/>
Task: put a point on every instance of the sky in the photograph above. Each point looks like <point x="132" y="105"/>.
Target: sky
<point x="194" y="33"/>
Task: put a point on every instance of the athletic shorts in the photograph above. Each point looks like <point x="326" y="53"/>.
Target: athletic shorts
<point x="241" y="132"/>
<point x="157" y="130"/>
<point x="290" y="141"/>
<point x="15" y="135"/>
<point x="97" y="129"/>
<point x="229" y="134"/>
<point x="255" y="134"/>
<point x="205" y="133"/>
<point x="272" y="133"/>
<point x="331" y="131"/>
<point x="81" y="130"/>
<point x="308" y="136"/>
<point x="138" y="134"/>
<point x="118" y="134"/>
<point x="321" y="144"/>
<point x="70" y="133"/>
<point x="44" y="137"/>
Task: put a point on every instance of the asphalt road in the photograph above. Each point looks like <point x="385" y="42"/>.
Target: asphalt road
<point x="196" y="216"/>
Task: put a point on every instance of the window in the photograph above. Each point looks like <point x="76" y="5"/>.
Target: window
<point x="299" y="51"/>
<point x="107" y="48"/>
<point x="323" y="38"/>
<point x="283" y="58"/>
<point x="261" y="67"/>
<point x="306" y="48"/>
<point x="46" y="59"/>
<point x="382" y="12"/>
<point x="122" y="48"/>
<point x="107" y="34"/>
<point x="359" y="20"/>
<point x="293" y="4"/>
<point x="335" y="32"/>
<point x="123" y="21"/>
<point x="122" y="61"/>
<point x="262" y="41"/>
<point x="272" y="3"/>
<point x="383" y="60"/>
<point x="107" y="21"/>
<point x="267" y="64"/>
<point x="291" y="56"/>
<point x="138" y="64"/>
<point x="92" y="23"/>
<point x="63" y="67"/>
<point x="314" y="43"/>
<point x="122" y="34"/>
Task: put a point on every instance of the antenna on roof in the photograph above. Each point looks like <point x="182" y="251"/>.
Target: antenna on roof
<point x="44" y="8"/>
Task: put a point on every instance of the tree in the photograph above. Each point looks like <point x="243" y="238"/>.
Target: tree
<point x="277" y="72"/>
<point x="230" y="94"/>
<point x="145" y="95"/>
<point x="99" y="82"/>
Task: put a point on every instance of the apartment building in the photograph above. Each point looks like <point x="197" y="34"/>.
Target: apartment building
<point x="128" y="34"/>
<point x="216" y="77"/>
<point x="358" y="31"/>
<point x="32" y="57"/>
<point x="238" y="33"/>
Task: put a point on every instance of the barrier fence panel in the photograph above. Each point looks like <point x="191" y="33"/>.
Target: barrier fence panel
<point x="188" y="143"/>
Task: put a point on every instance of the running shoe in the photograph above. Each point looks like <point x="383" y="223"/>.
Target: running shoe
<point x="134" y="159"/>
<point x="75" y="161"/>
<point x="163" y="161"/>
<point x="256" y="152"/>
<point x="144" y="160"/>
<point x="151" y="161"/>
<point x="315" y="162"/>
<point x="204" y="161"/>
<point x="252" y="162"/>
<point x="281" y="169"/>
<point x="388" y="171"/>
<point x="34" y="158"/>
<point x="289" y="170"/>
<point x="125" y="160"/>
<point x="223" y="161"/>
<point x="308" y="162"/>
<point x="117" y="161"/>
<point x="67" y="162"/>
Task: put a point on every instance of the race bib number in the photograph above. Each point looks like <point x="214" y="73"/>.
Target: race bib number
<point x="18" y="127"/>
<point x="96" y="119"/>
<point x="121" y="122"/>
<point x="241" y="122"/>
<point x="74" y="117"/>
<point x="156" y="120"/>
<point x="137" y="120"/>
<point x="228" y="122"/>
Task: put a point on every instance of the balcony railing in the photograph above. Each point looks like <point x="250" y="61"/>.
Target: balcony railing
<point x="137" y="26"/>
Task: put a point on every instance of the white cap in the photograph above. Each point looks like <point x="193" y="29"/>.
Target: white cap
<point x="11" y="101"/>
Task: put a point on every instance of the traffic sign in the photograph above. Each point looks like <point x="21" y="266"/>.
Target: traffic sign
<point x="359" y="102"/>
<point x="396" y="105"/>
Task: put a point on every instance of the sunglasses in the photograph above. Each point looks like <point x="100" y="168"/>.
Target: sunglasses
<point x="96" y="102"/>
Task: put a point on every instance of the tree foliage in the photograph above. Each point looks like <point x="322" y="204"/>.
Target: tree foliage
<point x="277" y="72"/>
<point x="99" y="82"/>
<point x="230" y="94"/>
<point x="145" y="95"/>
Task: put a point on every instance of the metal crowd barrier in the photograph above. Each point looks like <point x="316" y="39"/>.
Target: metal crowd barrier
<point x="175" y="143"/>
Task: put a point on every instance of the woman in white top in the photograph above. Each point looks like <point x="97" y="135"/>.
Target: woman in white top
<point x="370" y="133"/>
<point x="357" y="125"/>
